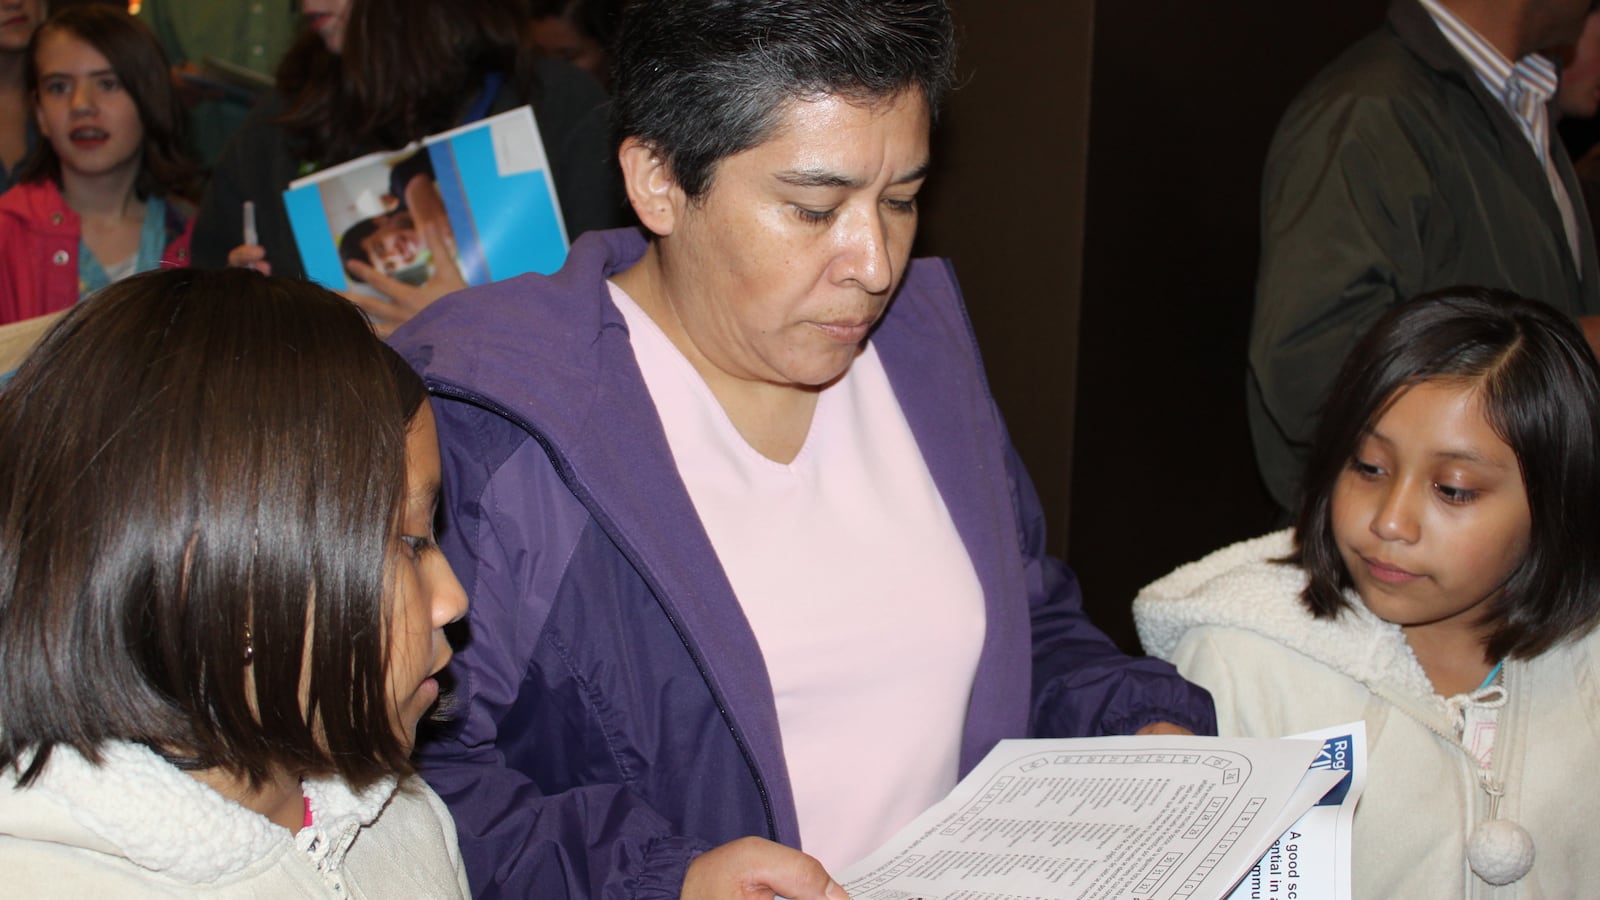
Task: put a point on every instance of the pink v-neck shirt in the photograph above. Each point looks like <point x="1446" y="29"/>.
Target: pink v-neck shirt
<point x="860" y="593"/>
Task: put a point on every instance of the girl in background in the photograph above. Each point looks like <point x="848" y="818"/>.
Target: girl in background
<point x="1442" y="583"/>
<point x="100" y="196"/>
<point x="220" y="601"/>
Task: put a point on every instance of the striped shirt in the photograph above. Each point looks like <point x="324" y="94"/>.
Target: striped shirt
<point x="1524" y="88"/>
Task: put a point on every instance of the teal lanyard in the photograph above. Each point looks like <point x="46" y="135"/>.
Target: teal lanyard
<point x="152" y="243"/>
<point x="1493" y="674"/>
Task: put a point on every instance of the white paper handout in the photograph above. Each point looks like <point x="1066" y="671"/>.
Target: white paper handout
<point x="1311" y="861"/>
<point x="1155" y="816"/>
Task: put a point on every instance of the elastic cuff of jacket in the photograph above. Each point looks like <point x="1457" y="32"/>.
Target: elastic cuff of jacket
<point x="1134" y="721"/>
<point x="666" y="861"/>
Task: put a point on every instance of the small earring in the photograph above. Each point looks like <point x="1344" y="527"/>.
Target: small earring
<point x="249" y="645"/>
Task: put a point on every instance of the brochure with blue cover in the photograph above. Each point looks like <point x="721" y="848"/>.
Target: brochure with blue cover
<point x="488" y="183"/>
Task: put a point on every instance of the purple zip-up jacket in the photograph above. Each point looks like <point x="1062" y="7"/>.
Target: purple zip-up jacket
<point x="618" y="719"/>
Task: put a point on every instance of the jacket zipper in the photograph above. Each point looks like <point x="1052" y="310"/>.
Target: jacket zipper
<point x="564" y="472"/>
<point x="1497" y="763"/>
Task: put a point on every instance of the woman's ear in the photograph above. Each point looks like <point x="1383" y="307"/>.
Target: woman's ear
<point x="652" y="190"/>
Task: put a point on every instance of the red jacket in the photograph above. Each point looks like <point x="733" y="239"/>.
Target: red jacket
<point x="39" y="239"/>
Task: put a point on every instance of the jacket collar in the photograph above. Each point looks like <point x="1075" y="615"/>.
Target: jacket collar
<point x="599" y="426"/>
<point x="40" y="205"/>
<point x="1418" y="33"/>
<point x="929" y="351"/>
<point x="1417" y="30"/>
<point x="1243" y="587"/>
<point x="134" y="805"/>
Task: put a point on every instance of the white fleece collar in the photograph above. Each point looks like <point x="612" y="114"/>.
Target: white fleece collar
<point x="1240" y="587"/>
<point x="138" y="806"/>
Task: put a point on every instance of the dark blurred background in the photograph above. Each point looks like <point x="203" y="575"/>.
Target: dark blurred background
<point x="1096" y="183"/>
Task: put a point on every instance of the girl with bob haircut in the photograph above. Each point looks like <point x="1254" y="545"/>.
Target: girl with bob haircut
<point x="220" y="600"/>
<point x="101" y="196"/>
<point x="1441" y="583"/>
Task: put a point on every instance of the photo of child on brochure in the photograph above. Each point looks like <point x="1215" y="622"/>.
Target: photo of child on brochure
<point x="391" y="233"/>
<point x="480" y="195"/>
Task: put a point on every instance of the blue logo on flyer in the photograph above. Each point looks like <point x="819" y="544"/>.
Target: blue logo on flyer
<point x="1336" y="754"/>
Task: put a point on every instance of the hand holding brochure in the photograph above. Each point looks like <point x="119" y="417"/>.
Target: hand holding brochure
<point x="486" y="184"/>
<point x="1145" y="817"/>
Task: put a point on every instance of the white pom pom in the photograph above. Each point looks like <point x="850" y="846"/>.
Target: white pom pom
<point x="1500" y="851"/>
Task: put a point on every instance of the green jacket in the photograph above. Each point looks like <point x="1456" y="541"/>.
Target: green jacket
<point x="1394" y="172"/>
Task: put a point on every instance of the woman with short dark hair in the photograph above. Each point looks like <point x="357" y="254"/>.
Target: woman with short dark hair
<point x="756" y="572"/>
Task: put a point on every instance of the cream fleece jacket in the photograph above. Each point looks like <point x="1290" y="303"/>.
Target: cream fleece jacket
<point x="135" y="826"/>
